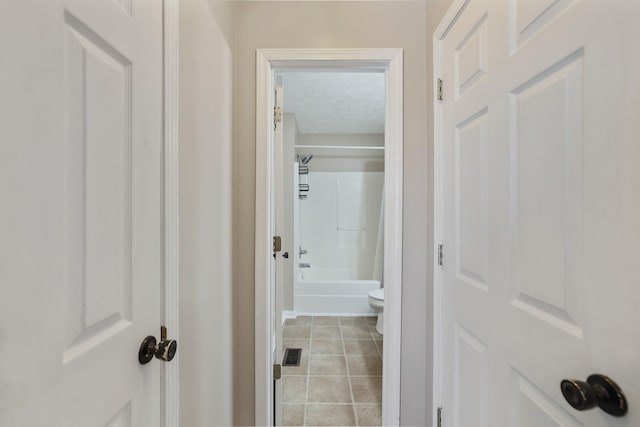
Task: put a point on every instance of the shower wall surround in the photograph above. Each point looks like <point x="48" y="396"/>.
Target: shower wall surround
<point x="340" y="225"/>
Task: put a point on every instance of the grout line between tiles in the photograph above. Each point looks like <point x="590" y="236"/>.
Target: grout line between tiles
<point x="373" y="337"/>
<point x="306" y="397"/>
<point x="353" y="400"/>
<point x="329" y="375"/>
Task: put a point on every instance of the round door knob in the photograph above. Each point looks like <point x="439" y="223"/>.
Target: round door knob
<point x="598" y="390"/>
<point x="165" y="350"/>
<point x="579" y="394"/>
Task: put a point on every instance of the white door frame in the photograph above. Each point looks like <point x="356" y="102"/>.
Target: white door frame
<point x="170" y="392"/>
<point x="391" y="62"/>
<point x="452" y="15"/>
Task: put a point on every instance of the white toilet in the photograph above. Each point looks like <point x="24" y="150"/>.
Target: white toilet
<point x="376" y="301"/>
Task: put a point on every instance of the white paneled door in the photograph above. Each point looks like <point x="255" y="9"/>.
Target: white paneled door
<point x="80" y="219"/>
<point x="540" y="146"/>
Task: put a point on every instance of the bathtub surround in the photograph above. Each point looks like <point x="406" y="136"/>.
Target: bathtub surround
<point x="340" y="228"/>
<point x="335" y="230"/>
<point x="334" y="297"/>
<point x="339" y="225"/>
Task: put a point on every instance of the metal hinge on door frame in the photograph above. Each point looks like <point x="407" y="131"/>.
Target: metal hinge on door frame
<point x="277" y="116"/>
<point x="439" y="90"/>
<point x="277" y="244"/>
<point x="277" y="371"/>
<point x="439" y="416"/>
<point x="440" y="253"/>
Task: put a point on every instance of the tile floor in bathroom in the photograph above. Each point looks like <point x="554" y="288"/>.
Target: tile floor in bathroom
<point x="339" y="380"/>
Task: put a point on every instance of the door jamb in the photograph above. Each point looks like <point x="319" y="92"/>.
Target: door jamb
<point x="169" y="382"/>
<point x="390" y="61"/>
<point x="449" y="19"/>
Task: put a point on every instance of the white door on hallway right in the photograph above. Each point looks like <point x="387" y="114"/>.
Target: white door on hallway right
<point x="541" y="209"/>
<point x="81" y="215"/>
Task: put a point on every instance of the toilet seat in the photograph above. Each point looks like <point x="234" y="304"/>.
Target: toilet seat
<point x="377" y="294"/>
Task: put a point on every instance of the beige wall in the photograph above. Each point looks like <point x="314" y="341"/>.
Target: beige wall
<point x="435" y="10"/>
<point x="335" y="25"/>
<point x="206" y="333"/>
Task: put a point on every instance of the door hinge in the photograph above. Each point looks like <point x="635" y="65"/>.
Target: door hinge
<point x="439" y="94"/>
<point x="440" y="254"/>
<point x="439" y="416"/>
<point x="277" y="371"/>
<point x="277" y="244"/>
<point x="277" y="114"/>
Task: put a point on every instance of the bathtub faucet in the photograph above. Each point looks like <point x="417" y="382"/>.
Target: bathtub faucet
<point x="304" y="265"/>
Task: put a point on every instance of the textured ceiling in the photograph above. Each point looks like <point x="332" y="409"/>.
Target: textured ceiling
<point x="335" y="103"/>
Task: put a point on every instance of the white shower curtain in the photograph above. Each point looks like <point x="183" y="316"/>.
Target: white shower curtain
<point x="378" y="262"/>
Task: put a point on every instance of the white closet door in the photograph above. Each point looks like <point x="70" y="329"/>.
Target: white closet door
<point x="541" y="192"/>
<point x="80" y="180"/>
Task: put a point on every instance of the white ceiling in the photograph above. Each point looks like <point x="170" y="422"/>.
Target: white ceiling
<point x="337" y="103"/>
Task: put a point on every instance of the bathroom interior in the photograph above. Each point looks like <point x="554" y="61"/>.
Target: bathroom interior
<point x="333" y="199"/>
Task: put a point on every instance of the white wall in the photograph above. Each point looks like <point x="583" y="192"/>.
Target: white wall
<point x="365" y="161"/>
<point x="337" y="24"/>
<point x="410" y="408"/>
<point x="206" y="323"/>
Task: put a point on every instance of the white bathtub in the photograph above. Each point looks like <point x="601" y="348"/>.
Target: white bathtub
<point x="331" y="297"/>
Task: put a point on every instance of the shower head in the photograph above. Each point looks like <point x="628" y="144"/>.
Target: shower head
<point x="306" y="159"/>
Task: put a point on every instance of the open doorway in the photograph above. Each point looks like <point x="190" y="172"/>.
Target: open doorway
<point x="331" y="186"/>
<point x="330" y="220"/>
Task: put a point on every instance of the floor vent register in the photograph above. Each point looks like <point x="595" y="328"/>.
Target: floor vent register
<point x="292" y="357"/>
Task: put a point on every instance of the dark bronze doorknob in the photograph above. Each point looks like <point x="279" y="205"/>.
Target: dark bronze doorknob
<point x="165" y="350"/>
<point x="598" y="390"/>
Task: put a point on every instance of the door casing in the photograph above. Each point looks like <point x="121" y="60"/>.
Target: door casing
<point x="268" y="61"/>
<point x="438" y="201"/>
<point x="170" y="393"/>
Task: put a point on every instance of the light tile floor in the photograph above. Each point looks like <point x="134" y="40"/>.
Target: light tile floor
<point x="339" y="380"/>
